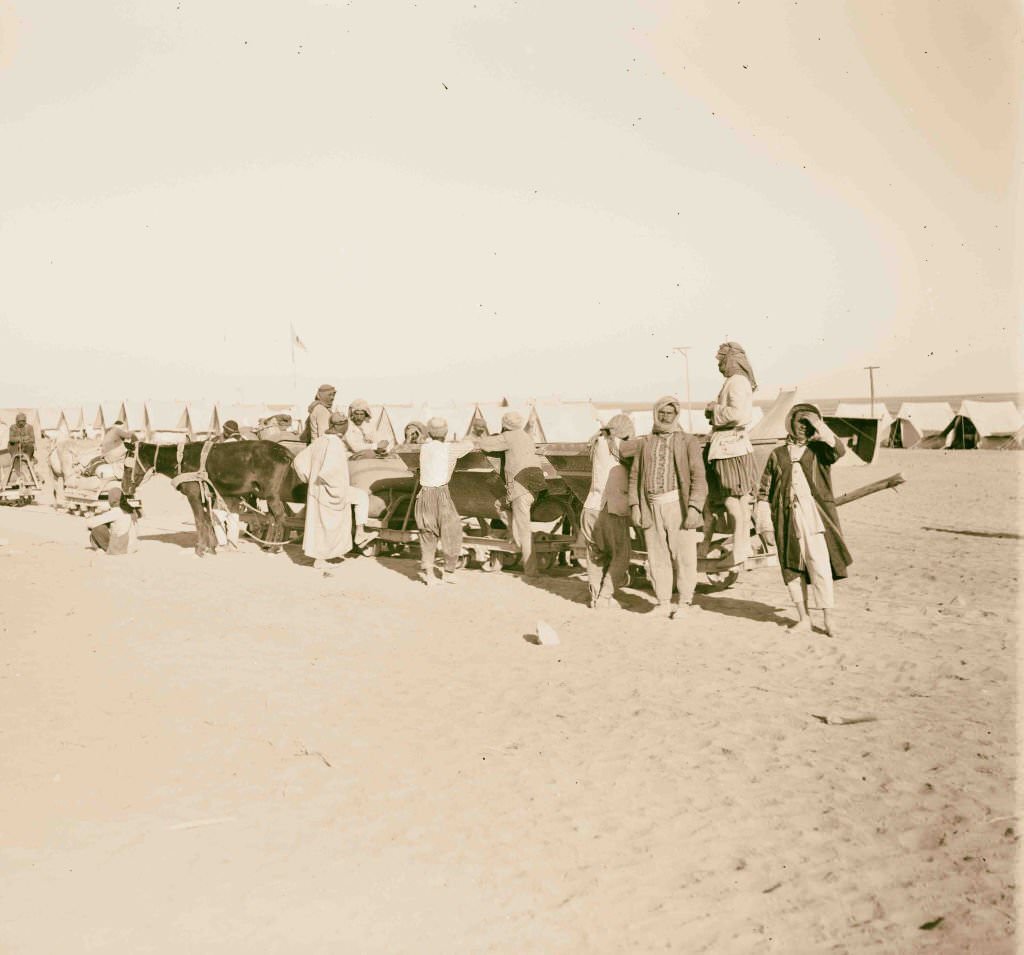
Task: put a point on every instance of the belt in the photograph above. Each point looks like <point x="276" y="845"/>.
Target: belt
<point x="664" y="496"/>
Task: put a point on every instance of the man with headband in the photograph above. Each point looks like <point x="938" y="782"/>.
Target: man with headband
<point x="327" y="534"/>
<point x="667" y="489"/>
<point x="319" y="413"/>
<point x="731" y="469"/>
<point x="604" y="522"/>
<point x="436" y="517"/>
<point x="361" y="434"/>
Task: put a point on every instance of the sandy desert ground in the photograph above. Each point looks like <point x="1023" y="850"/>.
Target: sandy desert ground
<point x="237" y="754"/>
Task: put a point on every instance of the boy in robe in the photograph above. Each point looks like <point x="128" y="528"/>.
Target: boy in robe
<point x="795" y="500"/>
<point x="604" y="522"/>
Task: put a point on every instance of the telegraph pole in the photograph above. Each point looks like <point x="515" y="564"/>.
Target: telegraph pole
<point x="871" y="369"/>
<point x="684" y="349"/>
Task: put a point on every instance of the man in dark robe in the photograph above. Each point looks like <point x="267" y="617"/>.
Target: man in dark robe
<point x="21" y="438"/>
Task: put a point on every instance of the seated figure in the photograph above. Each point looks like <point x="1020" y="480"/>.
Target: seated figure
<point x="21" y="437"/>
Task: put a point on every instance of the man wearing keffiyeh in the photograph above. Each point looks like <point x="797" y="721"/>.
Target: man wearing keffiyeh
<point x="318" y="422"/>
<point x="604" y="522"/>
<point x="667" y="488"/>
<point x="731" y="470"/>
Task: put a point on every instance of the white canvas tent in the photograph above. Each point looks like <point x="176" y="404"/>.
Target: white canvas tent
<point x="852" y="409"/>
<point x="134" y="414"/>
<point x="166" y="421"/>
<point x="459" y="415"/>
<point x="916" y="422"/>
<point x="487" y="417"/>
<point x="985" y="424"/>
<point x="376" y="413"/>
<point x="566" y="421"/>
<point x="107" y="412"/>
<point x="202" y="419"/>
<point x="74" y="419"/>
<point x="394" y="418"/>
<point x="772" y="424"/>
<point x="51" y="422"/>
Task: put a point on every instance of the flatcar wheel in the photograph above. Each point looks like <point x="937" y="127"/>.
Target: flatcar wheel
<point x="492" y="563"/>
<point x="462" y="561"/>
<point x="724" y="580"/>
<point x="638" y="575"/>
<point x="506" y="558"/>
<point x="545" y="558"/>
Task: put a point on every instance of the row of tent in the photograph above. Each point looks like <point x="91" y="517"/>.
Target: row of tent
<point x="171" y="421"/>
<point x="936" y="425"/>
<point x="154" y="420"/>
<point x="975" y="424"/>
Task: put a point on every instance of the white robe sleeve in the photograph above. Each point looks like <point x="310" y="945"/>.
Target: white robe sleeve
<point x="332" y="468"/>
<point x="303" y="462"/>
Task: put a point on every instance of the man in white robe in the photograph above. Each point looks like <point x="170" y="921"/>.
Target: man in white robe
<point x="324" y="466"/>
<point x="361" y="434"/>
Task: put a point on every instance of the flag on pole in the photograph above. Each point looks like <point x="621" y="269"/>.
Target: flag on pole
<point x="298" y="342"/>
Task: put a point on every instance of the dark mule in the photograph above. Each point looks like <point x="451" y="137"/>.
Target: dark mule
<point x="237" y="469"/>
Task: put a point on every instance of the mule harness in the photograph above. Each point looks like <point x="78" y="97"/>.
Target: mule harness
<point x="208" y="493"/>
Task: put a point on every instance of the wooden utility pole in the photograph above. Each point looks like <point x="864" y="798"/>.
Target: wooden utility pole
<point x="683" y="349"/>
<point x="871" y="369"/>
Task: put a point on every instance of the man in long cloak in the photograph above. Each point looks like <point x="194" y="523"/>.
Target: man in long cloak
<point x="324" y="466"/>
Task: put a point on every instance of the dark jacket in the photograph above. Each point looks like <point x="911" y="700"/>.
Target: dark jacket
<point x="693" y="485"/>
<point x="22" y="439"/>
<point x="777" y="488"/>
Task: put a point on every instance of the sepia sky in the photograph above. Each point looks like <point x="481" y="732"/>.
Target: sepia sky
<point x="477" y="199"/>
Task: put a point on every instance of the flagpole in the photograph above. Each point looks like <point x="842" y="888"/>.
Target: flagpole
<point x="295" y="386"/>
